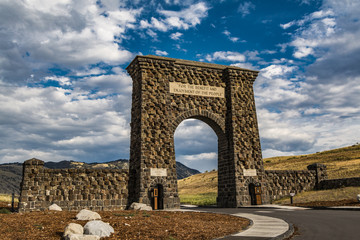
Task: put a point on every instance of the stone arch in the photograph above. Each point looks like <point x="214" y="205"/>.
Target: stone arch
<point x="214" y="121"/>
<point x="167" y="91"/>
<point x="218" y="126"/>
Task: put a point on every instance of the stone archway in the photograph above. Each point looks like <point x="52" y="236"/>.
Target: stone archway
<point x="167" y="91"/>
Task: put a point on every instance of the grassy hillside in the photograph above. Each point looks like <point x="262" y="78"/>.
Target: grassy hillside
<point x="341" y="163"/>
<point x="199" y="189"/>
<point x="323" y="195"/>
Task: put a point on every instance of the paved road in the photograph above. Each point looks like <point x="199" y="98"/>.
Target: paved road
<point x="312" y="224"/>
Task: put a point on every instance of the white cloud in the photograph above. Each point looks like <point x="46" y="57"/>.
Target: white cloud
<point x="314" y="31"/>
<point x="232" y="39"/>
<point x="38" y="33"/>
<point x="245" y="65"/>
<point x="287" y="25"/>
<point x="226" y="56"/>
<point x="156" y="24"/>
<point x="196" y="145"/>
<point x="198" y="157"/>
<point x="184" y="19"/>
<point x="55" y="124"/>
<point x="89" y="71"/>
<point x="277" y="70"/>
<point x="161" y="53"/>
<point x="176" y="36"/>
<point x="63" y="81"/>
<point x="245" y="8"/>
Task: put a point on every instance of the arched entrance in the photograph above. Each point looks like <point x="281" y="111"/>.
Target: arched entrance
<point x="167" y="91"/>
<point x="212" y="130"/>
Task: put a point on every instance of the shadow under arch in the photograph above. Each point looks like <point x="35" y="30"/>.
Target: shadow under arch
<point x="218" y="126"/>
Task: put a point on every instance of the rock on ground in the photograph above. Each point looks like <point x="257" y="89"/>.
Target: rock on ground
<point x="140" y="206"/>
<point x="73" y="228"/>
<point x="87" y="215"/>
<point x="358" y="197"/>
<point x="81" y="237"/>
<point x="98" y="228"/>
<point x="55" y="207"/>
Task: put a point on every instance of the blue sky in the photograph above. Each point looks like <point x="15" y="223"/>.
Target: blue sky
<point x="65" y="94"/>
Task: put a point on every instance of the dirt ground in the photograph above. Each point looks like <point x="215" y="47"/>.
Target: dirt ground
<point x="127" y="225"/>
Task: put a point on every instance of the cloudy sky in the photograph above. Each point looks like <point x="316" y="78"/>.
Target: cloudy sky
<point x="65" y="94"/>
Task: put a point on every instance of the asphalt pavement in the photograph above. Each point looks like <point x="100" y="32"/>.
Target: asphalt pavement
<point x="329" y="224"/>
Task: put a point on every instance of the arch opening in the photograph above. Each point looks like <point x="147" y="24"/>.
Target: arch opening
<point x="199" y="143"/>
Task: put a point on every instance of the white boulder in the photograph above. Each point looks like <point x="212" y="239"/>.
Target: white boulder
<point x="98" y="228"/>
<point x="81" y="237"/>
<point x="140" y="206"/>
<point x="358" y="197"/>
<point x="54" y="207"/>
<point x="87" y="215"/>
<point x="73" y="228"/>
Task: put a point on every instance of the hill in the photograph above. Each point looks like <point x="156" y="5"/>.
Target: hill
<point x="11" y="173"/>
<point x="341" y="163"/>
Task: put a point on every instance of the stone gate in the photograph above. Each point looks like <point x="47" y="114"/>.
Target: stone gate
<point x="168" y="91"/>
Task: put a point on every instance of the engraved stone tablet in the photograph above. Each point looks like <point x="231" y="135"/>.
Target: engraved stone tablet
<point x="158" y="172"/>
<point x="197" y="90"/>
<point x="249" y="172"/>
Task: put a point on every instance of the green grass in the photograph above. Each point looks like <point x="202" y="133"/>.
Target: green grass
<point x="202" y="199"/>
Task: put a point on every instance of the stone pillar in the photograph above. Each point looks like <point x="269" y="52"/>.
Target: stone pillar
<point x="31" y="189"/>
<point x="243" y="134"/>
<point x="152" y="156"/>
<point x="321" y="173"/>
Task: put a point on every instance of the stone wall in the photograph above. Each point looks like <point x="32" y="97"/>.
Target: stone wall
<point x="338" y="183"/>
<point x="280" y="183"/>
<point x="72" y="189"/>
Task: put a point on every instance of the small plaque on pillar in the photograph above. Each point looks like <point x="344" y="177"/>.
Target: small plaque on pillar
<point x="250" y="172"/>
<point x="158" y="172"/>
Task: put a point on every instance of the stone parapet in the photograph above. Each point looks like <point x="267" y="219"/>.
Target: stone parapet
<point x="72" y="189"/>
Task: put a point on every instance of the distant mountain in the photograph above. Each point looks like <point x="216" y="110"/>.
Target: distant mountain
<point x="10" y="177"/>
<point x="183" y="171"/>
<point x="11" y="173"/>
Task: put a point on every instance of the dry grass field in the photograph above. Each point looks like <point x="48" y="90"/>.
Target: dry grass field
<point x="341" y="162"/>
<point x="333" y="195"/>
<point x="7" y="198"/>
<point x="201" y="189"/>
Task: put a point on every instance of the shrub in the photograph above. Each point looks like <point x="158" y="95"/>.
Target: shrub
<point x="4" y="211"/>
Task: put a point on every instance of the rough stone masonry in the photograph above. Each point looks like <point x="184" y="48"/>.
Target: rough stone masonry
<point x="166" y="92"/>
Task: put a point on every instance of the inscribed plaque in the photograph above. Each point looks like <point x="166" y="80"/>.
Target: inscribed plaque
<point x="250" y="172"/>
<point x="158" y="172"/>
<point x="197" y="90"/>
